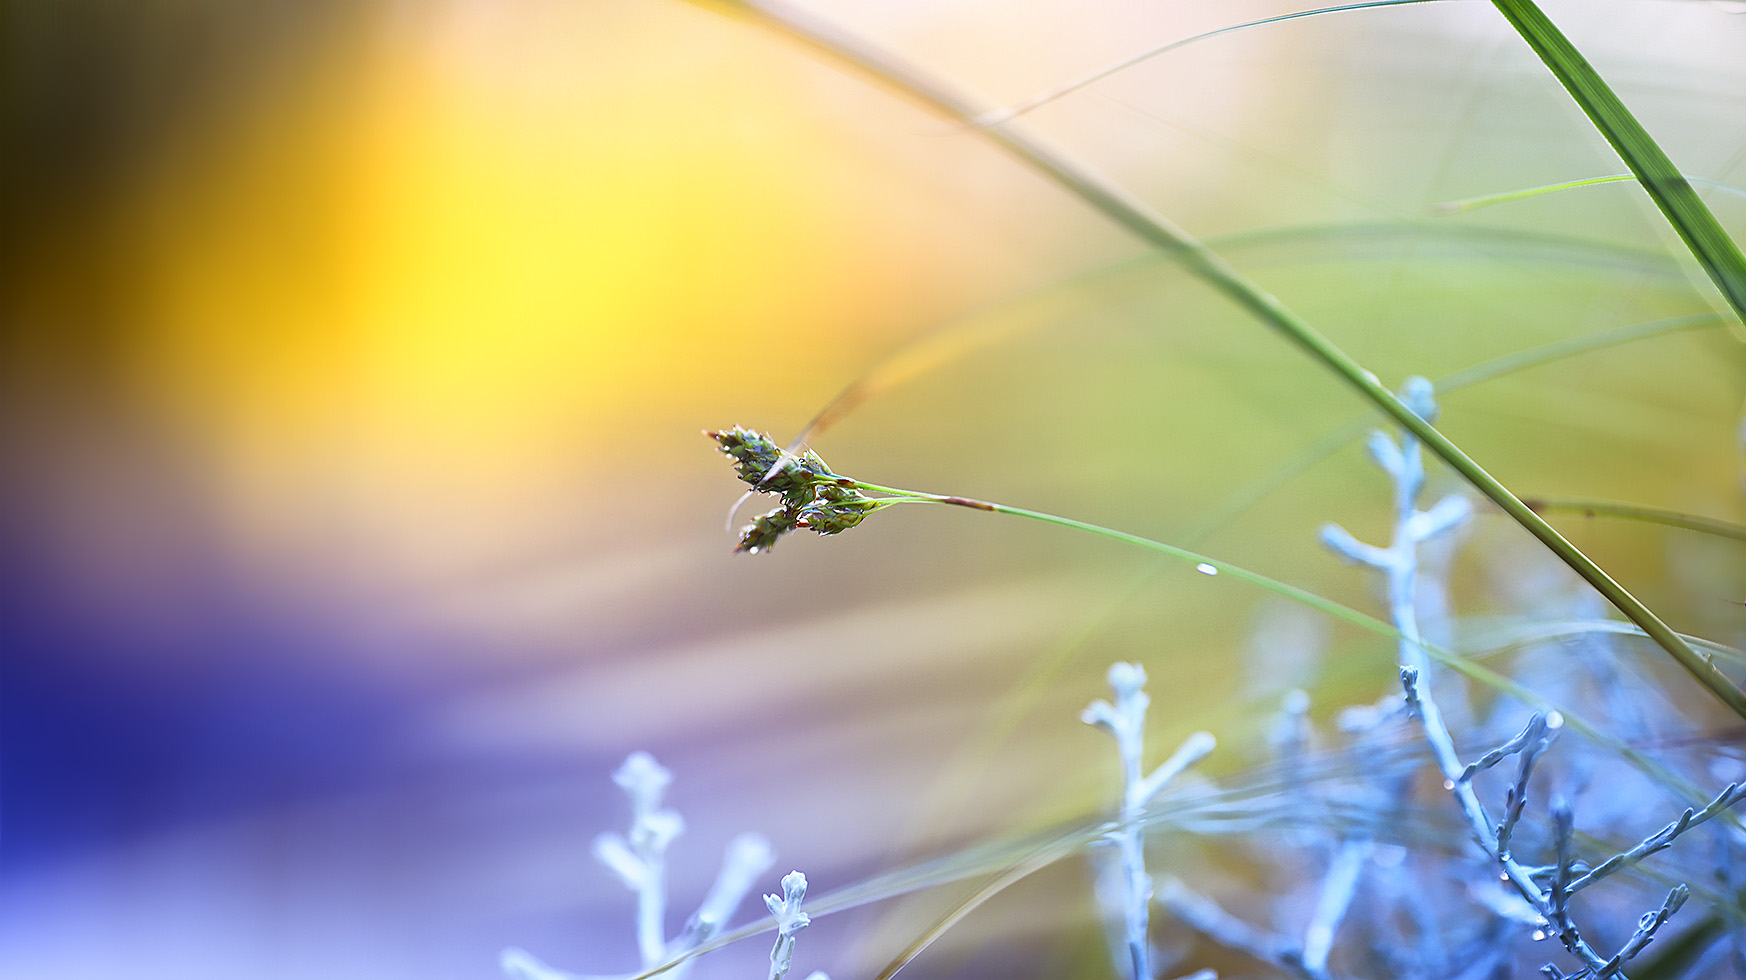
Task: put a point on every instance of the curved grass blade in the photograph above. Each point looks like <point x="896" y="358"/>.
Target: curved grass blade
<point x="952" y="339"/>
<point x="1638" y="512"/>
<point x="998" y="116"/>
<point x="1487" y="638"/>
<point x="1128" y="211"/>
<point x="1498" y="367"/>
<point x="1474" y="203"/>
<point x="946" y="342"/>
<point x="1672" y="193"/>
<point x="994" y="886"/>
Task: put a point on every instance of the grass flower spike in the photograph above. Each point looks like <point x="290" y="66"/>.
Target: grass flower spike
<point x="813" y="497"/>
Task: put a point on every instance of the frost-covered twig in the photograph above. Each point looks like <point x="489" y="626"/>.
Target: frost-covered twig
<point x="1646" y="928"/>
<point x="1663" y="837"/>
<point x="1534" y="731"/>
<point x="1338" y="888"/>
<point x="1558" y="900"/>
<point x="1206" y="917"/>
<point x="639" y="859"/>
<point x="1340" y="883"/>
<point x="789" y="921"/>
<point x="1126" y="721"/>
<point x="1399" y="562"/>
<point x="1541" y="729"/>
<point x="747" y="857"/>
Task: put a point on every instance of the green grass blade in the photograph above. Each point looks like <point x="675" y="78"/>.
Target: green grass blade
<point x="1639" y="512"/>
<point x="1128" y="211"/>
<point x="1237" y="501"/>
<point x="1472" y="203"/>
<point x="1486" y="201"/>
<point x="1483" y="638"/>
<point x="1672" y="193"/>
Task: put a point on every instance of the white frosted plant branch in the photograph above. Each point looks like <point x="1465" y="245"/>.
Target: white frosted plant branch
<point x="1126" y="721"/>
<point x="1542" y="727"/>
<point x="1206" y="917"/>
<point x="1664" y="837"/>
<point x="1399" y="562"/>
<point x="1404" y="464"/>
<point x="1335" y="898"/>
<point x="785" y="908"/>
<point x="747" y="857"/>
<point x="1646" y="927"/>
<point x="639" y="859"/>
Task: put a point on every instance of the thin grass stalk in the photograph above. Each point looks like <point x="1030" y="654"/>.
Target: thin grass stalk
<point x="1639" y="512"/>
<point x="1067" y="88"/>
<point x="1473" y="203"/>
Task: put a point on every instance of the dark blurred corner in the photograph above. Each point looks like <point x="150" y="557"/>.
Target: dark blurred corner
<point x="97" y="717"/>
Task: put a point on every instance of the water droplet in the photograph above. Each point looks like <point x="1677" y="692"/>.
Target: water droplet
<point x="1449" y="784"/>
<point x="1206" y="569"/>
<point x="1539" y="934"/>
<point x="1555" y="720"/>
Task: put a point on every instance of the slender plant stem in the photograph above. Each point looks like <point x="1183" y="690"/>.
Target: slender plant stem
<point x="1241" y="500"/>
<point x="1292" y="592"/>
<point x="1471" y="203"/>
<point x="1638" y="512"/>
<point x="1122" y="207"/>
<point x="1067" y="88"/>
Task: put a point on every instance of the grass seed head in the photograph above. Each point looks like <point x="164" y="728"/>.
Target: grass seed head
<point x="813" y="497"/>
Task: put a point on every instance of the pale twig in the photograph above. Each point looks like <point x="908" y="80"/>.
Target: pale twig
<point x="1206" y="917"/>
<point x="1338" y="888"/>
<point x="1541" y="729"/>
<point x="1404" y="464"/>
<point x="789" y="921"/>
<point x="1664" y="837"/>
<point x="1126" y="721"/>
